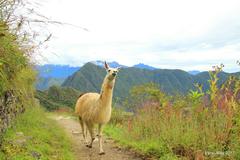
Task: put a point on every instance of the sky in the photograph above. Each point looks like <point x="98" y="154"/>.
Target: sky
<point x="182" y="34"/>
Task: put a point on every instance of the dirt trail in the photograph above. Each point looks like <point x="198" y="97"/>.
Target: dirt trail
<point x="73" y="130"/>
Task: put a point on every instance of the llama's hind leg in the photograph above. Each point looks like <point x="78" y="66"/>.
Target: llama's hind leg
<point x="100" y="129"/>
<point x="91" y="131"/>
<point x="84" y="130"/>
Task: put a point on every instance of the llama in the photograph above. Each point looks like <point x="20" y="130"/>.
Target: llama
<point x="95" y="108"/>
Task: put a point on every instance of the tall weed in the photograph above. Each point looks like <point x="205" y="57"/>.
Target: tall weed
<point x="205" y="124"/>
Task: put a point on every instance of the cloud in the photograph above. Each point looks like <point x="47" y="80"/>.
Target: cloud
<point x="182" y="34"/>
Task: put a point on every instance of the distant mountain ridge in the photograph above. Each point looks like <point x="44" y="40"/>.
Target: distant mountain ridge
<point x="55" y="71"/>
<point x="44" y="83"/>
<point x="144" y="66"/>
<point x="56" y="74"/>
<point x="49" y="75"/>
<point x="89" y="79"/>
<point x="194" y="72"/>
<point x="113" y="64"/>
<point x="63" y="71"/>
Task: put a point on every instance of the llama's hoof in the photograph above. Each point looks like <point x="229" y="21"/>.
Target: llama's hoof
<point x="89" y="146"/>
<point x="101" y="153"/>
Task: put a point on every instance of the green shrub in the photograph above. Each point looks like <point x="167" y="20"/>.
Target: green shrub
<point x="16" y="72"/>
<point x="119" y="116"/>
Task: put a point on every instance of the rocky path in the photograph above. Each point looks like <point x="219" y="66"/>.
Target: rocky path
<point x="73" y="130"/>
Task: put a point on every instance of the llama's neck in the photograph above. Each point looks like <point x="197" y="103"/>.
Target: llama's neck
<point x="107" y="92"/>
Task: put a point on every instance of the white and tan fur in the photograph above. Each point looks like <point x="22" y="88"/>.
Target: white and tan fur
<point x="95" y="108"/>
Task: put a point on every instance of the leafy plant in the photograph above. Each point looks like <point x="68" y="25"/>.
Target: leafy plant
<point x="195" y="95"/>
<point x="213" y="84"/>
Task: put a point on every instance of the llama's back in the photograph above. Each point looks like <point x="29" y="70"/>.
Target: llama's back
<point x="86" y="105"/>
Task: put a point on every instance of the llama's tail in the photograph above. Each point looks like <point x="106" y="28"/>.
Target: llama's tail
<point x="76" y="111"/>
<point x="81" y="95"/>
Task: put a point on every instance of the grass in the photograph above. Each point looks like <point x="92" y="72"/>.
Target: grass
<point x="34" y="136"/>
<point x="198" y="125"/>
<point x="171" y="136"/>
<point x="149" y="147"/>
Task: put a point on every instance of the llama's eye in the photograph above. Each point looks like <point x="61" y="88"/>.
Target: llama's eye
<point x="109" y="70"/>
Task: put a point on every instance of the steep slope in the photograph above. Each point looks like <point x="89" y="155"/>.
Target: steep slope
<point x="172" y="81"/>
<point x="89" y="79"/>
<point x="16" y="74"/>
<point x="44" y="83"/>
<point x="203" y="77"/>
<point x="49" y="75"/>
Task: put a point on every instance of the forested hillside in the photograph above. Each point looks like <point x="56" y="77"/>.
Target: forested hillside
<point x="58" y="97"/>
<point x="89" y="79"/>
<point x="16" y="77"/>
<point x="44" y="83"/>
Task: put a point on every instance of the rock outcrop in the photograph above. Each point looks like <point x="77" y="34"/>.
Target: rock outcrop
<point x="9" y="108"/>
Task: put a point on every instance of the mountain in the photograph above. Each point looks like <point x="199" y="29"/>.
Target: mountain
<point x="113" y="64"/>
<point x="55" y="71"/>
<point x="194" y="72"/>
<point x="57" y="97"/>
<point x="44" y="83"/>
<point x="89" y="79"/>
<point x="49" y="75"/>
<point x="144" y="66"/>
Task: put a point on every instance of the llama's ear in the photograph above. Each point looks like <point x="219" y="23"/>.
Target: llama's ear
<point x="106" y="65"/>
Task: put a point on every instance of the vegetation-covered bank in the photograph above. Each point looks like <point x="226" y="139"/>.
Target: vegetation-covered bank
<point x="25" y="132"/>
<point x="194" y="126"/>
<point x="34" y="136"/>
<point x="16" y="77"/>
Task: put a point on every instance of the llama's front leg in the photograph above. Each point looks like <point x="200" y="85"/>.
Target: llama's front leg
<point x="100" y="129"/>
<point x="91" y="131"/>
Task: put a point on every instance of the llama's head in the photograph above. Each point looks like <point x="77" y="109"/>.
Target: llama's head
<point x="111" y="72"/>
